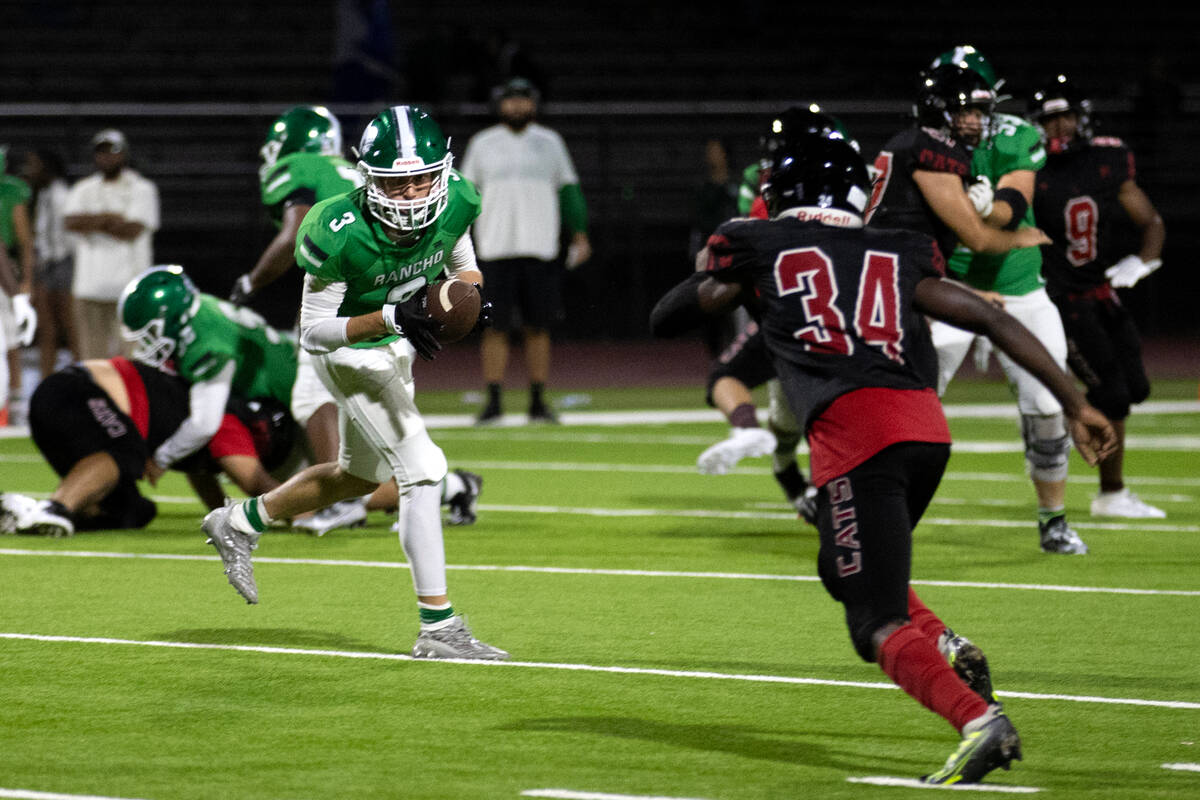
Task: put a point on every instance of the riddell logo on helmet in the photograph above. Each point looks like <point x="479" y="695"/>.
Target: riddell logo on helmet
<point x="403" y="163"/>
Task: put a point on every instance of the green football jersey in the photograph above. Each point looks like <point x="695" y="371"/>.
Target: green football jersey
<point x="13" y="192"/>
<point x="307" y="177"/>
<point x="341" y="241"/>
<point x="751" y="178"/>
<point x="1013" y="145"/>
<point x="220" y="332"/>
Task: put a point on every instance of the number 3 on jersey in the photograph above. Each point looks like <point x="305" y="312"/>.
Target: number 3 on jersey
<point x="876" y="309"/>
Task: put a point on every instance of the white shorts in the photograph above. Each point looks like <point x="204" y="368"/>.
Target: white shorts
<point x="381" y="429"/>
<point x="1040" y="316"/>
<point x="308" y="392"/>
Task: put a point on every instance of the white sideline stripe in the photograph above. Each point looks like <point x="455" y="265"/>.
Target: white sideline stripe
<point x="571" y="794"/>
<point x="29" y="794"/>
<point x="1183" y="767"/>
<point x="614" y="670"/>
<point x="636" y="573"/>
<point x="913" y="783"/>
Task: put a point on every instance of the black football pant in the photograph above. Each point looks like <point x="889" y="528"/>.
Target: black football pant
<point x="866" y="519"/>
<point x="1105" y="352"/>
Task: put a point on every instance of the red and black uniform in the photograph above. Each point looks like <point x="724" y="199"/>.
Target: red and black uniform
<point x="1076" y="203"/>
<point x="856" y="363"/>
<point x="896" y="200"/>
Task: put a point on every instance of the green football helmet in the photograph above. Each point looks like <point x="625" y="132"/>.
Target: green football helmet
<point x="967" y="57"/>
<point x="402" y="152"/>
<point x="156" y="309"/>
<point x="302" y="129"/>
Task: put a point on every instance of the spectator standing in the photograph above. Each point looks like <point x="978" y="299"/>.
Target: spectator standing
<point x="17" y="318"/>
<point x="114" y="212"/>
<point x="529" y="188"/>
<point x="54" y="265"/>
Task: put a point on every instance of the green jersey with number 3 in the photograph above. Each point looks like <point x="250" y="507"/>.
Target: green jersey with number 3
<point x="1013" y="145"/>
<point x="305" y="178"/>
<point x="341" y="241"/>
<point x="221" y="332"/>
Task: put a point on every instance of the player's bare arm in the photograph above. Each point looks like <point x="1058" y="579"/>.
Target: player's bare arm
<point x="278" y="256"/>
<point x="1145" y="217"/>
<point x="945" y="194"/>
<point x="1091" y="430"/>
<point x="691" y="302"/>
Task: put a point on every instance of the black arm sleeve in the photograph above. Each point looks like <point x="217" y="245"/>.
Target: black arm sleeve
<point x="1016" y="201"/>
<point x="678" y="311"/>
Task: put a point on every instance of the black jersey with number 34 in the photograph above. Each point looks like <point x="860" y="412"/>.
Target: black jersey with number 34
<point x="1076" y="205"/>
<point x="836" y="303"/>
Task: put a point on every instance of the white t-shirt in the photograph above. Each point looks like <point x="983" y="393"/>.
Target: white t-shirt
<point x="104" y="264"/>
<point x="518" y="175"/>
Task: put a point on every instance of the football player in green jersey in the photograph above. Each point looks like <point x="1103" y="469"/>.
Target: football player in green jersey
<point x="369" y="256"/>
<point x="1004" y="162"/>
<point x="18" y="320"/>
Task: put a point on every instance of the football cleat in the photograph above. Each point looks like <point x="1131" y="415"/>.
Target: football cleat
<point x="49" y="518"/>
<point x="1057" y="537"/>
<point x="234" y="548"/>
<point x="806" y="505"/>
<point x="490" y="415"/>
<point x="463" y="505"/>
<point x="988" y="742"/>
<point x="741" y="443"/>
<point x="455" y="641"/>
<point x="1124" y="503"/>
<point x="541" y="413"/>
<point x="14" y="508"/>
<point x="969" y="663"/>
<point x="342" y="514"/>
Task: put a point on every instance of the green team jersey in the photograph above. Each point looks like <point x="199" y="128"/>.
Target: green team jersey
<point x="13" y="192"/>
<point x="221" y="332"/>
<point x="341" y="241"/>
<point x="1014" y="145"/>
<point x="751" y="177"/>
<point x="305" y="178"/>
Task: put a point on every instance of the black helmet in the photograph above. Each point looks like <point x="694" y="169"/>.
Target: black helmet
<point x="949" y="88"/>
<point x="800" y="119"/>
<point x="817" y="171"/>
<point x="1057" y="96"/>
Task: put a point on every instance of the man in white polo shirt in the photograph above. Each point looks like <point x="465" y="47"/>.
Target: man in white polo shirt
<point x="113" y="213"/>
<point x="529" y="187"/>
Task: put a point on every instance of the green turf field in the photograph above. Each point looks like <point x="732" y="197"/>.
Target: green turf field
<point x="669" y="637"/>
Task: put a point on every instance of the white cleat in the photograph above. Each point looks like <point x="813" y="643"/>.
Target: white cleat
<point x="342" y="514"/>
<point x="1124" y="503"/>
<point x="741" y="443"/>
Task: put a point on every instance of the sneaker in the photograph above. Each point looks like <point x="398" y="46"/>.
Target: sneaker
<point x="455" y="641"/>
<point x="806" y="505"/>
<point x="541" y="413"/>
<point x="490" y="415"/>
<point x="462" y="505"/>
<point x="48" y="518"/>
<point x="342" y="514"/>
<point x="14" y="509"/>
<point x="741" y="443"/>
<point x="988" y="742"/>
<point x="1057" y="537"/>
<point x="234" y="548"/>
<point x="969" y="662"/>
<point x="1124" y="503"/>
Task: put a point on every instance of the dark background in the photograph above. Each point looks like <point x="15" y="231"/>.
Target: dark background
<point x="635" y="88"/>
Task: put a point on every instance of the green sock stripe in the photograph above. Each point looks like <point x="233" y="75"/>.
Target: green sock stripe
<point x="252" y="515"/>
<point x="431" y="615"/>
<point x="1047" y="514"/>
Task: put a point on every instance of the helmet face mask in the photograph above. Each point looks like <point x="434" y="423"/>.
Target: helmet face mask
<point x="156" y="309"/>
<point x="402" y="152"/>
<point x="1060" y="97"/>
<point x="302" y="129"/>
<point x="948" y="91"/>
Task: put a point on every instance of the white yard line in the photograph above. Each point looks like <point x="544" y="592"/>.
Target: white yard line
<point x="913" y="783"/>
<point x="636" y="573"/>
<point x="568" y="667"/>
<point x="572" y="794"/>
<point x="29" y="794"/>
<point x="1182" y="767"/>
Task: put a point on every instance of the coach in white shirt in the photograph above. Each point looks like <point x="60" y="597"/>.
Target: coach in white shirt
<point x="528" y="185"/>
<point x="113" y="213"/>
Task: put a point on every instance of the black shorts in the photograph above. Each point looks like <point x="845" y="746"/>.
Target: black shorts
<point x="70" y="417"/>
<point x="746" y="359"/>
<point x="1105" y="352"/>
<point x="866" y="519"/>
<point x="523" y="292"/>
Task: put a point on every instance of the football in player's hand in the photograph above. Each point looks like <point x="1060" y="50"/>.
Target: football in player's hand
<point x="455" y="305"/>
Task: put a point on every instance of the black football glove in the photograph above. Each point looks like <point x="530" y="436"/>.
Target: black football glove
<point x="485" y="311"/>
<point x="242" y="291"/>
<point x="411" y="320"/>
